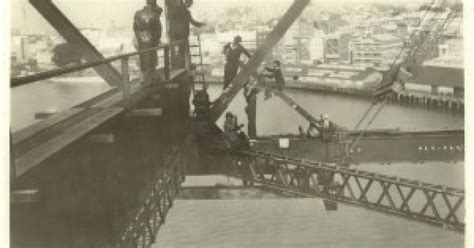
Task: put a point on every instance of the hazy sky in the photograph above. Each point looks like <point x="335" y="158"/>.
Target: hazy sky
<point x="102" y="13"/>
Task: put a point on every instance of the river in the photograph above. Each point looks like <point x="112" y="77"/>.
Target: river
<point x="291" y="222"/>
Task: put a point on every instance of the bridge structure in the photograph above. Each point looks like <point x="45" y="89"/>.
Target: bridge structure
<point x="107" y="170"/>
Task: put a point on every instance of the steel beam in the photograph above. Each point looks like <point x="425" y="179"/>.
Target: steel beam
<point x="413" y="200"/>
<point x="74" y="37"/>
<point x="221" y="104"/>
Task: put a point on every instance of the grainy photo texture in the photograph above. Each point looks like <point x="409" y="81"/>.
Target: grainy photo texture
<point x="237" y="123"/>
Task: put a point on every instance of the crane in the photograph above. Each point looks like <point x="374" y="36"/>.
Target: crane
<point x="418" y="46"/>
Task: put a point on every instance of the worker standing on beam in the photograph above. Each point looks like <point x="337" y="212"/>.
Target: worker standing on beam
<point x="180" y="21"/>
<point x="147" y="28"/>
<point x="232" y="52"/>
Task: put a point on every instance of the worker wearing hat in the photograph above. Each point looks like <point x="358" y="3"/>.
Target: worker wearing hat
<point x="147" y="28"/>
<point x="326" y="122"/>
<point x="232" y="52"/>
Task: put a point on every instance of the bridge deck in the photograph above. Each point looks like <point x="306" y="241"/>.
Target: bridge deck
<point x="36" y="143"/>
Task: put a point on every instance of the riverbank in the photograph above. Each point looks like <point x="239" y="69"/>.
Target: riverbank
<point x="448" y="103"/>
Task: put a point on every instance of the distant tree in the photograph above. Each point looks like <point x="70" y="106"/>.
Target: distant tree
<point x="66" y="54"/>
<point x="398" y="10"/>
<point x="424" y="7"/>
<point x="437" y="9"/>
<point x="458" y="7"/>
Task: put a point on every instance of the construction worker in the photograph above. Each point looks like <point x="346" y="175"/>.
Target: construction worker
<point x="326" y="122"/>
<point x="275" y="73"/>
<point x="230" y="123"/>
<point x="232" y="52"/>
<point x="327" y="131"/>
<point x="231" y="129"/>
<point x="147" y="28"/>
<point x="180" y="21"/>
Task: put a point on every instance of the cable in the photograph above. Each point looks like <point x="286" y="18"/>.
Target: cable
<point x="394" y="63"/>
<point x="365" y="115"/>
<point x="418" y="44"/>
<point x="369" y="123"/>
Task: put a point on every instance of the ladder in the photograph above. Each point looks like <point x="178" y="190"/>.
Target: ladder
<point x="197" y="54"/>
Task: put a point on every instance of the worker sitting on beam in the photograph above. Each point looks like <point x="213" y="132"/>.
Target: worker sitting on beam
<point x="275" y="73"/>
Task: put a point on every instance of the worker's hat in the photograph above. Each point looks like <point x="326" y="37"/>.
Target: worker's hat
<point x="152" y="2"/>
<point x="325" y="116"/>
<point x="228" y="114"/>
<point x="238" y="38"/>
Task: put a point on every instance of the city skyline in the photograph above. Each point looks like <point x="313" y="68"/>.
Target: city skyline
<point x="95" y="14"/>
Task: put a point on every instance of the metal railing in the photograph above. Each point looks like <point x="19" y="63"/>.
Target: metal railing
<point x="427" y="203"/>
<point x="124" y="58"/>
<point x="144" y="223"/>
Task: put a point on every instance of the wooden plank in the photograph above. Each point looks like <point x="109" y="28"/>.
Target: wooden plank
<point x="101" y="138"/>
<point x="44" y="115"/>
<point x="125" y="83"/>
<point x="136" y="90"/>
<point x="43" y="151"/>
<point x="176" y="73"/>
<point x="24" y="196"/>
<point x="117" y="98"/>
<point x="29" y="131"/>
<point x="51" y="131"/>
<point x="151" y="112"/>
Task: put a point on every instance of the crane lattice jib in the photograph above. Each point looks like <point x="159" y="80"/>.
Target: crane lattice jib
<point x="427" y="203"/>
<point x="221" y="104"/>
<point x="422" y="41"/>
<point x="428" y="37"/>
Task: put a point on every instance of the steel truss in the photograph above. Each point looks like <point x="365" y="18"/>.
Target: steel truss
<point x="428" y="203"/>
<point x="143" y="224"/>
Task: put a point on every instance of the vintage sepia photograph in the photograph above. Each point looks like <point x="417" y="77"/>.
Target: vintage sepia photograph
<point x="236" y="123"/>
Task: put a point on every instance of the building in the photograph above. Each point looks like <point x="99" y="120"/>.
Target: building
<point x="439" y="76"/>
<point x="443" y="74"/>
<point x="377" y="49"/>
<point x="316" y="48"/>
<point x="337" y="47"/>
<point x="451" y="48"/>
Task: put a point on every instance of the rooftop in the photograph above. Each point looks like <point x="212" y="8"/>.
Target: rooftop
<point x="448" y="62"/>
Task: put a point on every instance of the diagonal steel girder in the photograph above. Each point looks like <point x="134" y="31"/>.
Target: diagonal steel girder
<point x="221" y="104"/>
<point x="300" y="110"/>
<point x="74" y="37"/>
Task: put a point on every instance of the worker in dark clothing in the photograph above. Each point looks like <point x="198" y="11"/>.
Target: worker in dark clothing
<point x="232" y="53"/>
<point x="147" y="28"/>
<point x="275" y="73"/>
<point x="180" y="21"/>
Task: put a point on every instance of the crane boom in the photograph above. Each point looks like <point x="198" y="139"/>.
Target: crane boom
<point x="420" y="43"/>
